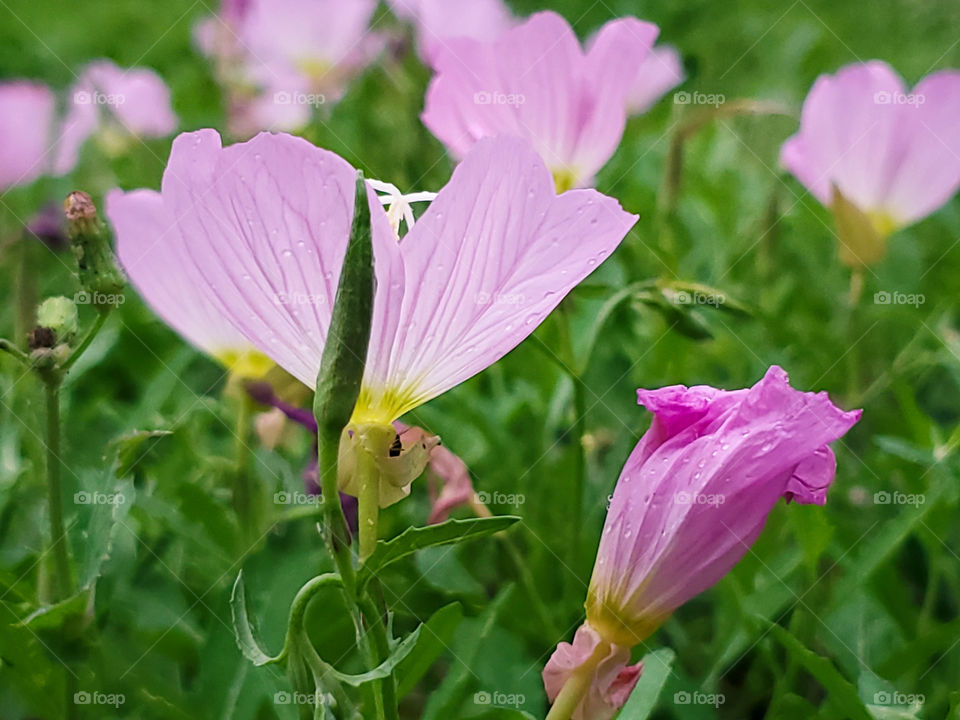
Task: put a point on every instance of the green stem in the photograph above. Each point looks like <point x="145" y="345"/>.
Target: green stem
<point x="85" y="343"/>
<point x="26" y="291"/>
<point x="335" y="523"/>
<point x="368" y="503"/>
<point x="386" y="697"/>
<point x="58" y="535"/>
<point x="577" y="685"/>
<point x="245" y="487"/>
<point x="577" y="432"/>
<point x="10" y="347"/>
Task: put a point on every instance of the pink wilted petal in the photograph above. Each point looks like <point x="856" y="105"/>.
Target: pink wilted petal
<point x="689" y="506"/>
<point x="661" y="71"/>
<point x="535" y="82"/>
<point x="612" y="680"/>
<point x="26" y="132"/>
<point x="495" y="252"/>
<point x="154" y="257"/>
<point x="894" y="153"/>
<point x="456" y="487"/>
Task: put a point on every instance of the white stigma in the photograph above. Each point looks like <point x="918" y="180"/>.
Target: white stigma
<point x="399" y="205"/>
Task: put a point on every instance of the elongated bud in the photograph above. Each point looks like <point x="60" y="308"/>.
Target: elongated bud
<point x="97" y="271"/>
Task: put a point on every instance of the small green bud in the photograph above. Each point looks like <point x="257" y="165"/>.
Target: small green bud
<point x="101" y="281"/>
<point x="59" y="314"/>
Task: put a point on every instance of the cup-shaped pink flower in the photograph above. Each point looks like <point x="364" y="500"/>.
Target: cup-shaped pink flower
<point x="252" y="236"/>
<point x="869" y="141"/>
<point x="115" y="104"/>
<point x="437" y="21"/>
<point x="692" y="499"/>
<point x="26" y="132"/>
<point x="536" y="82"/>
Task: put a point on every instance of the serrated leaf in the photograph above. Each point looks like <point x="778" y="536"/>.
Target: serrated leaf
<point x="643" y="699"/>
<point x="133" y="447"/>
<point x="418" y="538"/>
<point x="840" y="690"/>
<point x="433" y="642"/>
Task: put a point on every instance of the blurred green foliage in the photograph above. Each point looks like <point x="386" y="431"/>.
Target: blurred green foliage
<point x="866" y="593"/>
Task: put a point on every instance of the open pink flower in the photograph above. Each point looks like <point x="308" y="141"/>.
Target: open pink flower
<point x="256" y="232"/>
<point x="694" y="496"/>
<point x="26" y="132"/>
<point x="281" y="59"/>
<point x="536" y="82"/>
<point x="891" y="151"/>
<point x="116" y="104"/>
<point x="660" y="72"/>
<point x="436" y="21"/>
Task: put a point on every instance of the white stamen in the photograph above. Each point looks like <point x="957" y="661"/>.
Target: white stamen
<point x="399" y="204"/>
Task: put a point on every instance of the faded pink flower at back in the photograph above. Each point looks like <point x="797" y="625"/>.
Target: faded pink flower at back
<point x="26" y="132"/>
<point x="661" y="71"/>
<point x="891" y="151"/>
<point x="115" y="103"/>
<point x="696" y="491"/>
<point x="437" y="21"/>
<point x="536" y="82"/>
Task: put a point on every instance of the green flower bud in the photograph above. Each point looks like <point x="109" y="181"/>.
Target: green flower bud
<point x="59" y="314"/>
<point x="100" y="279"/>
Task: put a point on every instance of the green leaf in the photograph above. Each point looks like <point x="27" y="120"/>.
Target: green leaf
<point x="134" y="447"/>
<point x="58" y="615"/>
<point x="433" y="643"/>
<point x="418" y="538"/>
<point x="643" y="699"/>
<point x="841" y="690"/>
<point x="245" y="632"/>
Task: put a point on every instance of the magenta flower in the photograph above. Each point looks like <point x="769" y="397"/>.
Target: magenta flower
<point x="27" y="113"/>
<point x="116" y="105"/>
<point x="691" y="500"/>
<point x="281" y="59"/>
<point x="247" y="242"/>
<point x="437" y="21"/>
<point x="661" y="71"/>
<point x="893" y="152"/>
<point x="536" y="82"/>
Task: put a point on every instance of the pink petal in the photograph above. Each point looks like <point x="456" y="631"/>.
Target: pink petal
<point x="660" y="72"/>
<point x="437" y="21"/>
<point x="265" y="224"/>
<point x="535" y="82"/>
<point x="143" y="106"/>
<point x="495" y="252"/>
<point x="612" y="681"/>
<point x="152" y="254"/>
<point x="26" y="124"/>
